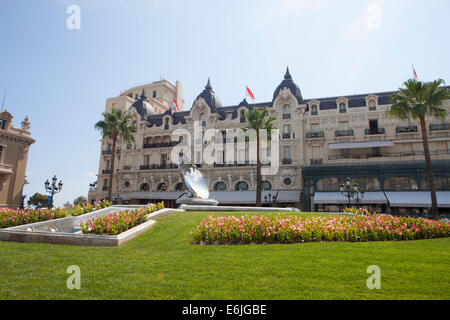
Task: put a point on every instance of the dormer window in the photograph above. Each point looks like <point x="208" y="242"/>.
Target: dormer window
<point x="154" y="94"/>
<point x="314" y="110"/>
<point x="287" y="112"/>
<point x="372" y="105"/>
<point x="166" y="123"/>
<point x="242" y="116"/>
<point x="342" y="107"/>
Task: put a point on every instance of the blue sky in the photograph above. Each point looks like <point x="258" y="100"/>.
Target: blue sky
<point x="60" y="78"/>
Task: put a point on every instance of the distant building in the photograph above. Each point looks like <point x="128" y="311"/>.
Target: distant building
<point x="14" y="145"/>
<point x="321" y="142"/>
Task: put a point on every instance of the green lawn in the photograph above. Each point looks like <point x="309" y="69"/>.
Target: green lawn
<point x="162" y="264"/>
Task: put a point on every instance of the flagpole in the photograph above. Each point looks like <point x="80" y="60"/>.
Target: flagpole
<point x="3" y="103"/>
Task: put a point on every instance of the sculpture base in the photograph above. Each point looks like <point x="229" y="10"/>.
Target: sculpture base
<point x="198" y="202"/>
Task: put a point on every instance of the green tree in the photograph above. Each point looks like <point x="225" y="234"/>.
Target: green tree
<point x="259" y="120"/>
<point x="38" y="200"/>
<point x="419" y="100"/>
<point x="115" y="124"/>
<point x="81" y="200"/>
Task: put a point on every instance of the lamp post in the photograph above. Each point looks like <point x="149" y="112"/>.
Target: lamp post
<point x="350" y="191"/>
<point x="52" y="189"/>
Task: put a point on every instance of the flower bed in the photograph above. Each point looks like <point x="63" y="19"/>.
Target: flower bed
<point x="279" y="229"/>
<point x="118" y="222"/>
<point x="12" y="218"/>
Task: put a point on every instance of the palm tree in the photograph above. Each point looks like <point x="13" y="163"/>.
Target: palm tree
<point x="115" y="124"/>
<point x="417" y="100"/>
<point x="257" y="121"/>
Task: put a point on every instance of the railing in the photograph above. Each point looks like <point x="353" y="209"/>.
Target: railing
<point x="106" y="171"/>
<point x="342" y="110"/>
<point x="440" y="127"/>
<point x="314" y="113"/>
<point x="105" y="152"/>
<point x="158" y="166"/>
<point x="286" y="135"/>
<point x="160" y="145"/>
<point x="369" y="132"/>
<point x="344" y="133"/>
<point x="126" y="168"/>
<point x="242" y="120"/>
<point x="286" y="116"/>
<point x="315" y="134"/>
<point x="406" y="129"/>
<point x="372" y="108"/>
<point x="388" y="155"/>
<point x="315" y="162"/>
<point x="287" y="161"/>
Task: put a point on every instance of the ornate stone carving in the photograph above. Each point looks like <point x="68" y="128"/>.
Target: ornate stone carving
<point x="25" y="124"/>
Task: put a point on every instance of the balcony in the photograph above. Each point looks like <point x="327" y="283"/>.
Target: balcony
<point x="344" y="133"/>
<point x="342" y="110"/>
<point x="315" y="134"/>
<point x="242" y="120"/>
<point x="246" y="163"/>
<point x="314" y="113"/>
<point x="105" y="188"/>
<point x="406" y="129"/>
<point x="160" y="145"/>
<point x="287" y="161"/>
<point x="158" y="167"/>
<point x="106" y="171"/>
<point x="106" y="152"/>
<point x="440" y="127"/>
<point x="316" y="162"/>
<point x="126" y="168"/>
<point x="286" y="116"/>
<point x="372" y="108"/>
<point x="388" y="155"/>
<point x="286" y="135"/>
<point x="369" y="132"/>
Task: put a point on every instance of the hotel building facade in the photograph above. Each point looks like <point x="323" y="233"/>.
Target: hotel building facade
<point x="321" y="142"/>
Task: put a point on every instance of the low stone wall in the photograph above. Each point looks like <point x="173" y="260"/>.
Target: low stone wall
<point x="41" y="233"/>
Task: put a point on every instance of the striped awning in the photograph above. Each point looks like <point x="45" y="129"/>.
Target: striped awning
<point x="416" y="199"/>
<point x="338" y="198"/>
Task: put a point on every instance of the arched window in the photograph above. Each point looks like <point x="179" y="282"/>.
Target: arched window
<point x="145" y="187"/>
<point x="180" y="186"/>
<point x="266" y="185"/>
<point x="372" y="105"/>
<point x="203" y="119"/>
<point x="342" y="107"/>
<point x="166" y="123"/>
<point x="314" y="110"/>
<point x="162" y="187"/>
<point x="220" y="186"/>
<point x="242" y="116"/>
<point x="286" y="111"/>
<point x="241" y="186"/>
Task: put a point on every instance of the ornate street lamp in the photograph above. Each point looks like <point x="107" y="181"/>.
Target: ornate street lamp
<point x="350" y="191"/>
<point x="52" y="189"/>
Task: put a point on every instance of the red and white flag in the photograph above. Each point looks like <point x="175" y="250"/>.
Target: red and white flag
<point x="176" y="104"/>
<point x="250" y="93"/>
<point x="415" y="73"/>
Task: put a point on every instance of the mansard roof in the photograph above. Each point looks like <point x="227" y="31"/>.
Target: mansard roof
<point x="210" y="97"/>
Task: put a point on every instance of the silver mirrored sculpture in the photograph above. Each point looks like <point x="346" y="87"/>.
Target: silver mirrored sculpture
<point x="194" y="183"/>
